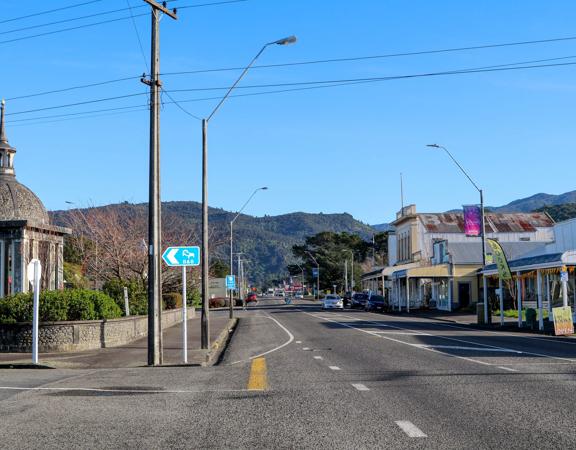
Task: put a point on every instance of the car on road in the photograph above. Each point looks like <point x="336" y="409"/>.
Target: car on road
<point x="347" y="299"/>
<point x="251" y="298"/>
<point x="332" y="301"/>
<point x="376" y="303"/>
<point x="359" y="300"/>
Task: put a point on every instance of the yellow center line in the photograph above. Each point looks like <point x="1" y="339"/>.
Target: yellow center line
<point x="258" y="380"/>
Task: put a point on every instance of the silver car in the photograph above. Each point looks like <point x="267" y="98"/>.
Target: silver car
<point x="332" y="301"/>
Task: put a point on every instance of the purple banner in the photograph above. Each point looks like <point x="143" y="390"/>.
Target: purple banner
<point x="472" y="220"/>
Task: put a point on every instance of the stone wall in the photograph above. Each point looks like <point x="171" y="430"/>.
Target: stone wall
<point x="82" y="335"/>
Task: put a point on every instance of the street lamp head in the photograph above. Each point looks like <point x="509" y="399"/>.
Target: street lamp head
<point x="264" y="188"/>
<point x="286" y="41"/>
<point x="433" y="145"/>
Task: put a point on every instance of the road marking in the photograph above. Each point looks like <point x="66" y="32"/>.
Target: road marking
<point x="305" y="348"/>
<point x="258" y="380"/>
<point x="360" y="387"/>
<point x="318" y="357"/>
<point x="290" y="339"/>
<point x="507" y="368"/>
<point x="542" y="355"/>
<point x="298" y="342"/>
<point x="478" y="349"/>
<point x="406" y="333"/>
<point x="120" y="391"/>
<point x="410" y="429"/>
<point x="334" y="368"/>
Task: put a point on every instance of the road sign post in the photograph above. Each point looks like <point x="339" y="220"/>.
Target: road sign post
<point x="184" y="317"/>
<point x="126" y="302"/>
<point x="34" y="271"/>
<point x="183" y="257"/>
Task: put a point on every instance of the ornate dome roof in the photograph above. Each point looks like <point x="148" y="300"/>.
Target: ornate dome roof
<point x="17" y="202"/>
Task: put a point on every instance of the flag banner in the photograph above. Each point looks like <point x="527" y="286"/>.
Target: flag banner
<point x="500" y="258"/>
<point x="472" y="220"/>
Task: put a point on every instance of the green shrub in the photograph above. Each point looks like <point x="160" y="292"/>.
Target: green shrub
<point x="194" y="298"/>
<point x="72" y="304"/>
<point x="137" y="295"/>
<point x="172" y="300"/>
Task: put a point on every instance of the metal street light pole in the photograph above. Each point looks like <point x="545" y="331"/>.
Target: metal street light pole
<point x="482" y="218"/>
<point x="317" y="275"/>
<point x="351" y="268"/>
<point x="231" y="244"/>
<point x="301" y="270"/>
<point x="204" y="321"/>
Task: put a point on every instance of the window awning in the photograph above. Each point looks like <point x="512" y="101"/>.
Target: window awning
<point x="438" y="271"/>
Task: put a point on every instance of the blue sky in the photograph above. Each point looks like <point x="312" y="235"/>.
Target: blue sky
<point x="325" y="150"/>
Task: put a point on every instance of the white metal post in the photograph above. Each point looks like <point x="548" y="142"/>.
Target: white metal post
<point x="564" y="293"/>
<point x="407" y="294"/>
<point x="184" y="317"/>
<point x="501" y="289"/>
<point x="35" y="311"/>
<point x="540" y="310"/>
<point x="548" y="297"/>
<point x="485" y="296"/>
<point x="519" y="297"/>
<point x="126" y="303"/>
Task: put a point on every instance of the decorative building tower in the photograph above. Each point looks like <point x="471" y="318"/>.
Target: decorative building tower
<point x="25" y="230"/>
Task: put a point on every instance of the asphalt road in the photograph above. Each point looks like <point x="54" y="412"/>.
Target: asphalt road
<point x="298" y="377"/>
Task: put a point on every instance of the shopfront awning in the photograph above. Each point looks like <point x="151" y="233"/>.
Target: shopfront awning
<point x="438" y="271"/>
<point x="545" y="261"/>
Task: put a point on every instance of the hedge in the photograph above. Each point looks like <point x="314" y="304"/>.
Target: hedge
<point x="71" y="304"/>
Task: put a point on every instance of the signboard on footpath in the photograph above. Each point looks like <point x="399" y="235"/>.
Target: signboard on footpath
<point x="563" y="324"/>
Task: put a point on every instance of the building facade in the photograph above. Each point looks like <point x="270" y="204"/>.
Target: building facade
<point x="25" y="230"/>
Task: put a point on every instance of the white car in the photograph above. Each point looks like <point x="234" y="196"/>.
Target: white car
<point x="332" y="301"/>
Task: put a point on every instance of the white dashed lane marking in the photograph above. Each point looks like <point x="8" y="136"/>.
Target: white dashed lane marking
<point x="298" y="342"/>
<point x="306" y="349"/>
<point x="507" y="368"/>
<point x="318" y="357"/>
<point x="360" y="387"/>
<point x="410" y="429"/>
<point x="334" y="368"/>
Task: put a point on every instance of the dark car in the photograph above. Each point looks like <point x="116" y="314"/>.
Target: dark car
<point x="347" y="299"/>
<point x="375" y="303"/>
<point x="251" y="298"/>
<point x="359" y="300"/>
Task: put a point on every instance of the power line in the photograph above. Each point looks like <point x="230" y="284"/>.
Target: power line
<point x="318" y="61"/>
<point x="310" y="85"/>
<point x="184" y="110"/>
<point x="50" y="11"/>
<point x="63" y="30"/>
<point x="389" y="55"/>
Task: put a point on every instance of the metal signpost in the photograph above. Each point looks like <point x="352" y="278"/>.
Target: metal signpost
<point x="183" y="257"/>
<point x="34" y="272"/>
<point x="126" y="302"/>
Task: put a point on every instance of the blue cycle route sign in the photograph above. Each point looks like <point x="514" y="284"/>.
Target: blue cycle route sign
<point x="230" y="282"/>
<point x="182" y="256"/>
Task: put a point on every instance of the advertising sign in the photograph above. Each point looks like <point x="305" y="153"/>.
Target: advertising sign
<point x="314" y="272"/>
<point x="472" y="220"/>
<point x="563" y="321"/>
<point x="500" y="258"/>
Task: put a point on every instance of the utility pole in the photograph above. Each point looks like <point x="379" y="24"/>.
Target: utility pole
<point x="154" y="205"/>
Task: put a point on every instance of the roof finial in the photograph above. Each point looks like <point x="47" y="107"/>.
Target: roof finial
<point x="2" y="128"/>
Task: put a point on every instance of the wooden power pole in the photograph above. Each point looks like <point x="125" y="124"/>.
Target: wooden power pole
<point x="154" y="202"/>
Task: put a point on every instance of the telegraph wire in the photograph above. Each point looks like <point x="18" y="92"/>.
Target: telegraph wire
<point x="41" y="13"/>
<point x="317" y="85"/>
<point x="63" y="30"/>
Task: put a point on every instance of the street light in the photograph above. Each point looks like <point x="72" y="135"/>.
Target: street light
<point x="204" y="321"/>
<point x="231" y="242"/>
<point x="317" y="275"/>
<point x="486" y="316"/>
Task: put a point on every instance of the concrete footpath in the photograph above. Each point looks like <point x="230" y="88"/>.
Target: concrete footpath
<point x="135" y="353"/>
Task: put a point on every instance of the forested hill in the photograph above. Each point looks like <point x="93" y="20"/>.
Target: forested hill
<point x="265" y="241"/>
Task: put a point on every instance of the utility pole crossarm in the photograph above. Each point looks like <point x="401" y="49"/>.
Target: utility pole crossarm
<point x="162" y="7"/>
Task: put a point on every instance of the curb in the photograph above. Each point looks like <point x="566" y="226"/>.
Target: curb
<point x="218" y="346"/>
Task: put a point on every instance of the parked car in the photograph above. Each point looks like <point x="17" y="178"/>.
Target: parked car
<point x="347" y="299"/>
<point x="375" y="303"/>
<point x="359" y="300"/>
<point x="251" y="298"/>
<point x="332" y="301"/>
